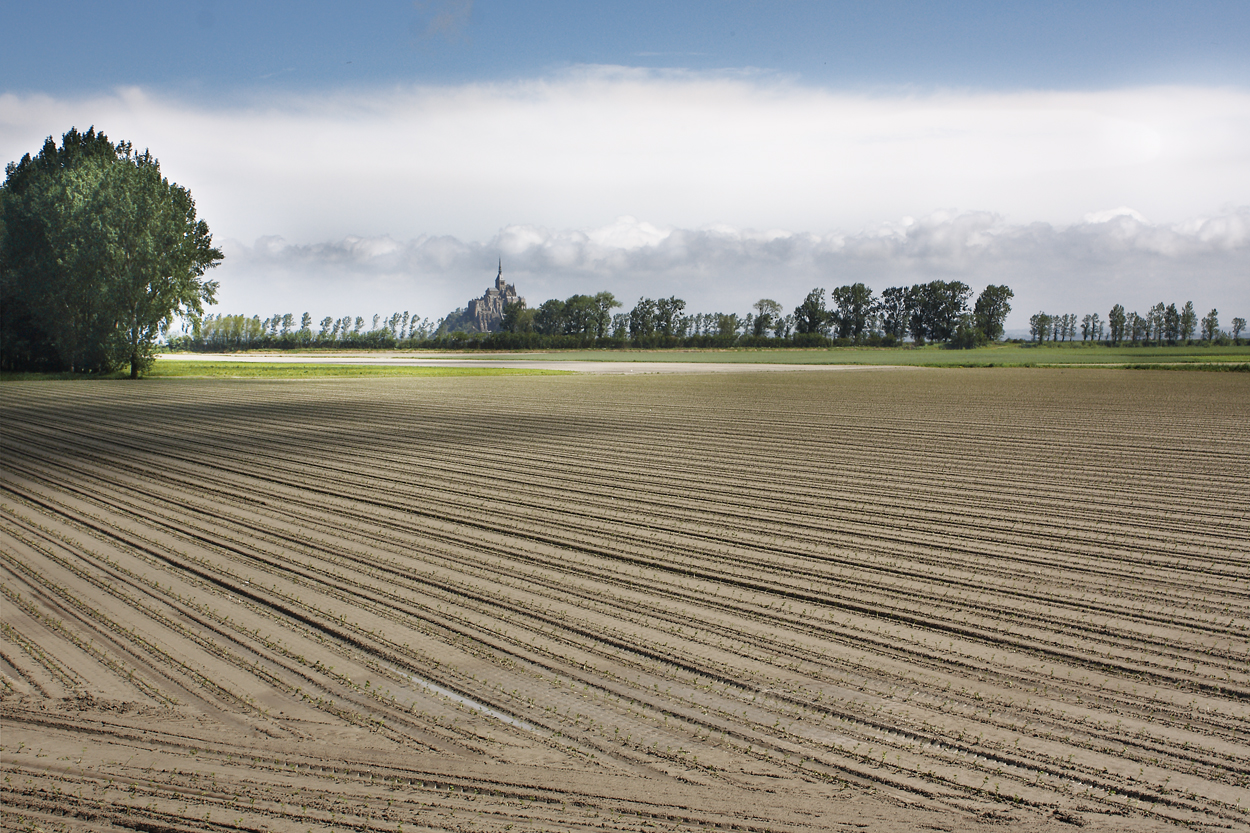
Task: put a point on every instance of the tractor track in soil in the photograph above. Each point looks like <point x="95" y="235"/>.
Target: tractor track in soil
<point x="980" y="594"/>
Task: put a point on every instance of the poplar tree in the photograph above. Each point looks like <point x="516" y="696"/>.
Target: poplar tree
<point x="1210" y="325"/>
<point x="1189" y="321"/>
<point x="1117" y="319"/>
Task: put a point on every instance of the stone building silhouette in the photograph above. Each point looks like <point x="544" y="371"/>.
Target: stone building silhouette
<point x="485" y="314"/>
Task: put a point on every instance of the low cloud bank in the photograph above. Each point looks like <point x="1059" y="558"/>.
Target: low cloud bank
<point x="682" y="149"/>
<point x="1113" y="256"/>
<point x="734" y="177"/>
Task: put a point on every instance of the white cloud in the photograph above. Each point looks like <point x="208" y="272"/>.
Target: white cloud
<point x="1110" y="257"/>
<point x="679" y="149"/>
<point x="1113" y="213"/>
<point x="424" y="187"/>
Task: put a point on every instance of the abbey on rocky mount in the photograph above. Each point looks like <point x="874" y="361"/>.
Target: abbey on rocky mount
<point x="486" y="313"/>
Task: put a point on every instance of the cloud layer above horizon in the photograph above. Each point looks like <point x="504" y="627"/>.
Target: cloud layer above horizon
<point x="1107" y="258"/>
<point x="743" y="186"/>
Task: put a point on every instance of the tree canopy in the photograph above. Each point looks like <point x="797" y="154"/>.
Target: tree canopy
<point x="991" y="311"/>
<point x="98" y="253"/>
<point x="811" y="316"/>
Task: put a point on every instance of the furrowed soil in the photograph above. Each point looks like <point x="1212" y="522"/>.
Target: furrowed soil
<point x="884" y="601"/>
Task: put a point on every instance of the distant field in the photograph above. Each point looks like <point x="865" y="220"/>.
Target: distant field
<point x="903" y="600"/>
<point x="1010" y="355"/>
<point x="1004" y="355"/>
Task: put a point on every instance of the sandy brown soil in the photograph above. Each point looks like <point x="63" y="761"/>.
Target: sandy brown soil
<point x="821" y="601"/>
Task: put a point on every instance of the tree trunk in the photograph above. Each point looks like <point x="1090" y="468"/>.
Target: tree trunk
<point x="134" y="346"/>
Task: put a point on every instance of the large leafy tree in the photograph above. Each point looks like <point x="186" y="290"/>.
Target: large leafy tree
<point x="855" y="303"/>
<point x="517" y="318"/>
<point x="98" y="253"/>
<point x="52" y="319"/>
<point x="811" y="315"/>
<point x="668" y="315"/>
<point x="580" y="313"/>
<point x="727" y="324"/>
<point x="605" y="302"/>
<point x="768" y="313"/>
<point x="550" y="319"/>
<point x="991" y="310"/>
<point x="939" y="305"/>
<point x="895" y="309"/>
<point x="642" y="319"/>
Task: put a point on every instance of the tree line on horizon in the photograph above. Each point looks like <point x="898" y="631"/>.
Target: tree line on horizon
<point x="239" y="332"/>
<point x="940" y="312"/>
<point x="1160" y="325"/>
<point x="934" y="311"/>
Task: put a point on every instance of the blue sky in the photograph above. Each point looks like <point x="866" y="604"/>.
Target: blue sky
<point x="215" y="47"/>
<point x="360" y="158"/>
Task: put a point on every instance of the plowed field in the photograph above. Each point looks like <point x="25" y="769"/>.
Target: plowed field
<point x="886" y="600"/>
